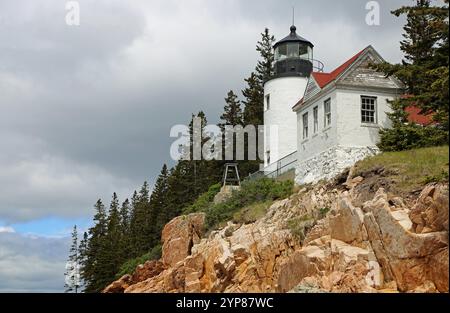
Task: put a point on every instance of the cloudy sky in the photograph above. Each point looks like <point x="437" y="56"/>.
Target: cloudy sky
<point x="86" y="110"/>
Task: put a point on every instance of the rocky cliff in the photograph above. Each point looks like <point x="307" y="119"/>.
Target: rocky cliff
<point x="351" y="236"/>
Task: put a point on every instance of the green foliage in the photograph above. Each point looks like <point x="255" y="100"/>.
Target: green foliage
<point x="204" y="201"/>
<point x="424" y="71"/>
<point x="251" y="192"/>
<point x="410" y="169"/>
<point x="129" y="266"/>
<point x="251" y="213"/>
<point x="411" y="136"/>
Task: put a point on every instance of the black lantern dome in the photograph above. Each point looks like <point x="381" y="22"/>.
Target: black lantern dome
<point x="293" y="56"/>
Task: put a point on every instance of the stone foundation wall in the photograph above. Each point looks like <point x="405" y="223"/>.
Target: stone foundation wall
<point x="330" y="163"/>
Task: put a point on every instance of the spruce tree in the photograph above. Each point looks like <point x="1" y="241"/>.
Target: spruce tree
<point x="160" y="211"/>
<point x="124" y="231"/>
<point x="72" y="274"/>
<point x="112" y="255"/>
<point x="424" y="71"/>
<point x="94" y="274"/>
<point x="82" y="256"/>
<point x="264" y="68"/>
<point x="232" y="113"/>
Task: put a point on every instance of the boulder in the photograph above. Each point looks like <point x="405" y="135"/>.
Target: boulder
<point x="119" y="285"/>
<point x="430" y="213"/>
<point x="147" y="270"/>
<point x="179" y="236"/>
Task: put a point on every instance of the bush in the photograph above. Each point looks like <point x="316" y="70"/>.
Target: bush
<point x="203" y="201"/>
<point x="251" y="213"/>
<point x="411" y="136"/>
<point x="129" y="266"/>
<point x="251" y="192"/>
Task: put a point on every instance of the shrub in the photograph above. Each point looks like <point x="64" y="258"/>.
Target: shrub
<point x="129" y="266"/>
<point x="410" y="136"/>
<point x="251" y="192"/>
<point x="203" y="201"/>
<point x="251" y="214"/>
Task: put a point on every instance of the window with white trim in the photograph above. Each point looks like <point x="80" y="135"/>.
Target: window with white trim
<point x="368" y="110"/>
<point x="327" y="113"/>
<point x="305" y="125"/>
<point x="316" y="119"/>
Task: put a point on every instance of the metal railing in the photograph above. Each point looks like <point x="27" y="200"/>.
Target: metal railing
<point x="276" y="169"/>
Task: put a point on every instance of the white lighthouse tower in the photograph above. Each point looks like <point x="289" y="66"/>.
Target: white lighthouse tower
<point x="292" y="67"/>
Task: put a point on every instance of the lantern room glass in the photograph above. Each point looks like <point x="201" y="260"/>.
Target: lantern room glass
<point x="293" y="50"/>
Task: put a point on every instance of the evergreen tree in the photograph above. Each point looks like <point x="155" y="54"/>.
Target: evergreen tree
<point x="124" y="230"/>
<point x="161" y="212"/>
<point x="112" y="259"/>
<point x="232" y="114"/>
<point x="72" y="274"/>
<point x="82" y="256"/>
<point x="94" y="274"/>
<point x="254" y="92"/>
<point x="424" y="71"/>
<point x="264" y="68"/>
<point x="139" y="224"/>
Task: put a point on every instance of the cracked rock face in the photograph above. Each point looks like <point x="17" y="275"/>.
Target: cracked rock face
<point x="381" y="245"/>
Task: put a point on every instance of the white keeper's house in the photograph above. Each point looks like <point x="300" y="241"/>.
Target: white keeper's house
<point x="321" y="123"/>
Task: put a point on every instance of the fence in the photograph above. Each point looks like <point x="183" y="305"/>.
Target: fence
<point x="276" y="169"/>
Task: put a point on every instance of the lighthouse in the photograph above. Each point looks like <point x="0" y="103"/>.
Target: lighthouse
<point x="293" y="66"/>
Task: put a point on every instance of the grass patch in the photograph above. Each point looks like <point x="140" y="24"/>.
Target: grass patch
<point x="252" y="192"/>
<point x="251" y="213"/>
<point x="410" y="169"/>
<point x="129" y="266"/>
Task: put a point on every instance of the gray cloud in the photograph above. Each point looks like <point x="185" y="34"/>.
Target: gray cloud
<point x="32" y="264"/>
<point x="87" y="110"/>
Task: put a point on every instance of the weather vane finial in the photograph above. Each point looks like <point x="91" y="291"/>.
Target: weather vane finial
<point x="293" y="15"/>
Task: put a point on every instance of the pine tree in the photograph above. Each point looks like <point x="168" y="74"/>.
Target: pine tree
<point x="72" y="274"/>
<point x="94" y="274"/>
<point x="254" y="92"/>
<point x="424" y="71"/>
<point x="82" y="256"/>
<point x="232" y="113"/>
<point x="253" y="101"/>
<point x="264" y="68"/>
<point x="124" y="230"/>
<point x="161" y="212"/>
<point x="140" y="221"/>
<point x="112" y="259"/>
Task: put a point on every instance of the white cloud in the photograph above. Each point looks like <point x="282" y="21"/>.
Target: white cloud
<point x="7" y="229"/>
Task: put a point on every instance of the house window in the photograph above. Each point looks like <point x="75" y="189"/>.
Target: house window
<point x="316" y="119"/>
<point x="268" y="157"/>
<point x="267" y="102"/>
<point x="368" y="109"/>
<point x="305" y="125"/>
<point x="327" y="110"/>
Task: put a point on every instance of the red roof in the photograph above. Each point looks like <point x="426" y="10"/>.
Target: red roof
<point x="414" y="116"/>
<point x="324" y="79"/>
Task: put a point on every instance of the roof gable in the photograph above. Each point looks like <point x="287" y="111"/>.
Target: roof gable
<point x="347" y="69"/>
<point x="323" y="79"/>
